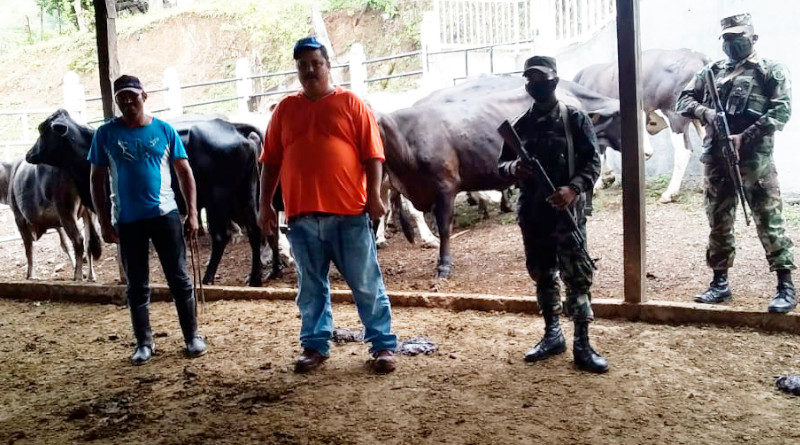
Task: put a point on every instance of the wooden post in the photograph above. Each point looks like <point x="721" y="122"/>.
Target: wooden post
<point x="630" y="95"/>
<point x="105" y="13"/>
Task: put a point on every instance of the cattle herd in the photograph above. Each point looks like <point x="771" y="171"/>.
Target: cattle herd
<point x="444" y="144"/>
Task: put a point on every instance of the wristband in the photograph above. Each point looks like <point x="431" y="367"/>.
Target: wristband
<point x="575" y="188"/>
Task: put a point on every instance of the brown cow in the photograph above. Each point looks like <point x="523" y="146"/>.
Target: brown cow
<point x="448" y="142"/>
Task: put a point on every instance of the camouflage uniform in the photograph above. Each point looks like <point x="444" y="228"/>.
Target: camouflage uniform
<point x="549" y="247"/>
<point x="757" y="96"/>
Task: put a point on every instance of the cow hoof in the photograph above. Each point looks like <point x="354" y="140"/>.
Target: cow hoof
<point x="275" y="274"/>
<point x="253" y="281"/>
<point x="430" y="244"/>
<point x="207" y="280"/>
<point x="443" y="271"/>
<point x="381" y="244"/>
<point x="666" y="198"/>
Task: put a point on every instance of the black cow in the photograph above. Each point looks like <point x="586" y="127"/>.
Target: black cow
<point x="664" y="74"/>
<point x="223" y="160"/>
<point x="449" y="143"/>
<point x="42" y="197"/>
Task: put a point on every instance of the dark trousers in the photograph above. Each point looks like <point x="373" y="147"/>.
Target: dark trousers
<point x="134" y="241"/>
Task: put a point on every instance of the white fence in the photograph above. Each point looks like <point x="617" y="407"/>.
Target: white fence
<point x="553" y="24"/>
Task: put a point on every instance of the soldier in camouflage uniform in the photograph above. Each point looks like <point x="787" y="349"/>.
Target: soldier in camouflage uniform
<point x="756" y="95"/>
<point x="549" y="246"/>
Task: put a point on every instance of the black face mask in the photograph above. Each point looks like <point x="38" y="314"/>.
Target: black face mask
<point x="738" y="48"/>
<point x="541" y="91"/>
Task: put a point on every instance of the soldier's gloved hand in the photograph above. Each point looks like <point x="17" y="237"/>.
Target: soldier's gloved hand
<point x="562" y="198"/>
<point x="520" y="170"/>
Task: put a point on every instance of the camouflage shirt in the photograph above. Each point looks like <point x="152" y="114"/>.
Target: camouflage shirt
<point x="756" y="94"/>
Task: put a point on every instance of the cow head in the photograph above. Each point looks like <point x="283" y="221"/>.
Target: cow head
<point x="62" y="142"/>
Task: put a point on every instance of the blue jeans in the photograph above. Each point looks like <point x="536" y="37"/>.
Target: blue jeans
<point x="349" y="242"/>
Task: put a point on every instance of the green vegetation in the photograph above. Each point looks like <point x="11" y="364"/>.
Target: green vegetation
<point x="387" y="6"/>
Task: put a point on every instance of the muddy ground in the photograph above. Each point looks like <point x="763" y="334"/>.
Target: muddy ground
<point x="65" y="379"/>
<point x="488" y="256"/>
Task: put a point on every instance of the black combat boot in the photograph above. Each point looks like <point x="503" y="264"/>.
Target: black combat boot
<point x="195" y="345"/>
<point x="585" y="357"/>
<point x="551" y="344"/>
<point x="718" y="291"/>
<point x="140" y="319"/>
<point x="784" y="299"/>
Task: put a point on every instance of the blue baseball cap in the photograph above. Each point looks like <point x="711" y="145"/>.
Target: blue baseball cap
<point x="310" y="42"/>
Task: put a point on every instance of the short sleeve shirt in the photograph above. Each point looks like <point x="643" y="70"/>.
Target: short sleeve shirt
<point x="320" y="147"/>
<point x="139" y="165"/>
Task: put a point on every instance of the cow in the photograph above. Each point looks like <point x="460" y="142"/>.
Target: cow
<point x="664" y="74"/>
<point x="42" y="197"/>
<point x="449" y="143"/>
<point x="223" y="159"/>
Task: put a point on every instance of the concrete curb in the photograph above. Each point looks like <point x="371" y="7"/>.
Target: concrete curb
<point x="658" y="312"/>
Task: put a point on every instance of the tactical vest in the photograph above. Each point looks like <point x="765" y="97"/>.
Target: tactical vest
<point x="744" y="95"/>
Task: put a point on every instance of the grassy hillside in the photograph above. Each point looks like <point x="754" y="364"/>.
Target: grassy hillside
<point x="202" y="42"/>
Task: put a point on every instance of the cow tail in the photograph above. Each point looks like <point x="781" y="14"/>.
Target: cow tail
<point x="95" y="243"/>
<point x="405" y="224"/>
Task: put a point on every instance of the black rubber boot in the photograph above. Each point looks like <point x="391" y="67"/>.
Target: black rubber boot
<point x="585" y="357"/>
<point x="140" y="319"/>
<point x="784" y="299"/>
<point x="718" y="291"/>
<point x="552" y="343"/>
<point x="195" y="345"/>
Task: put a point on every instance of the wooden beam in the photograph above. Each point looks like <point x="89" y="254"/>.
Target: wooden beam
<point x="658" y="312"/>
<point x="105" y="14"/>
<point x="630" y="96"/>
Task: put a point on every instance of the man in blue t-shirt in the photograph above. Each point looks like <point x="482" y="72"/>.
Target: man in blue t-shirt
<point x="137" y="151"/>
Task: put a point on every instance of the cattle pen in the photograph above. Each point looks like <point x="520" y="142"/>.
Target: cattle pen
<point x="681" y="372"/>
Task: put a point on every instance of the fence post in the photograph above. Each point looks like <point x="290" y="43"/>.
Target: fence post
<point x="430" y="38"/>
<point x="74" y="97"/>
<point x="172" y="97"/>
<point x="358" y="71"/>
<point x="544" y="22"/>
<point x="244" y="85"/>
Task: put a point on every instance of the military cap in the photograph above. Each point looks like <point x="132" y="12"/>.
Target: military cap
<point x="737" y="24"/>
<point x="544" y="64"/>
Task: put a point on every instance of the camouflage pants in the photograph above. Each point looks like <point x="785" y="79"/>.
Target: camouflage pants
<point x="550" y="250"/>
<point x="761" y="188"/>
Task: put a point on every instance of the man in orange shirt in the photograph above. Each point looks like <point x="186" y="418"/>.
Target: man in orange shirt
<point x="324" y="146"/>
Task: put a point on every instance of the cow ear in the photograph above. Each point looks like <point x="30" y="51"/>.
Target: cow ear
<point x="60" y="129"/>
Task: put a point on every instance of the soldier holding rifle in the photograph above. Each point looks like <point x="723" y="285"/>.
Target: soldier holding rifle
<point x="743" y="101"/>
<point x="552" y="150"/>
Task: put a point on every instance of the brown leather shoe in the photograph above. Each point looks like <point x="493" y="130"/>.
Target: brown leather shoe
<point x="308" y="361"/>
<point x="384" y="362"/>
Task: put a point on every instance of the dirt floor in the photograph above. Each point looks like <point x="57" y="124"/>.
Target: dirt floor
<point x="65" y="379"/>
<point x="488" y="256"/>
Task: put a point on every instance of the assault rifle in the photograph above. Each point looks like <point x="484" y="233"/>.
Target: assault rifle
<point x="728" y="150"/>
<point x="512" y="139"/>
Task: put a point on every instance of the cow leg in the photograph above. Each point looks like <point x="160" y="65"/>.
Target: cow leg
<point x="71" y="227"/>
<point x="219" y="229"/>
<point x="62" y="238"/>
<point x="429" y="240"/>
<point x="505" y="201"/>
<point x="443" y="210"/>
<point x="682" y="152"/>
<point x="27" y="241"/>
<point x="92" y="237"/>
